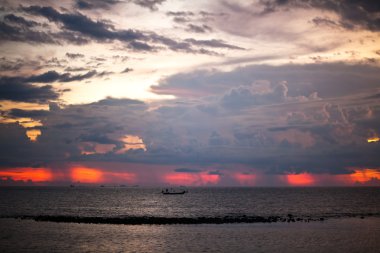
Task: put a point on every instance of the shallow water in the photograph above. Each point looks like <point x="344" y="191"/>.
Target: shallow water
<point x="336" y="235"/>
<point x="344" y="234"/>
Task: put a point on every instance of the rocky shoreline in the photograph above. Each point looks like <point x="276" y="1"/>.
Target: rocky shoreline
<point x="151" y="220"/>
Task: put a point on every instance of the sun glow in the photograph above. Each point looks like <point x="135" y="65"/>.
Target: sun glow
<point x="26" y="174"/>
<point x="373" y="139"/>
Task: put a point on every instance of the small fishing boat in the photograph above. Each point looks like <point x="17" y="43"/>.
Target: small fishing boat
<point x="172" y="192"/>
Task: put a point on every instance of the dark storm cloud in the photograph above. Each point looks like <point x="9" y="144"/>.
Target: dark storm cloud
<point x="98" y="138"/>
<point x="359" y="12"/>
<point x="16" y="89"/>
<point x="98" y="30"/>
<point x="13" y="143"/>
<point x="109" y="101"/>
<point x="22" y="88"/>
<point x="28" y="113"/>
<point x="323" y="138"/>
<point x="244" y="96"/>
<point x="104" y="122"/>
<point x="105" y="32"/>
<point x="68" y="78"/>
<point x="47" y="77"/>
<point x="95" y="4"/>
<point x="20" y="20"/>
<point x="69" y="37"/>
<point x="14" y="33"/>
<point x="108" y="4"/>
<point x="80" y="23"/>
<point x="328" y="79"/>
<point x="363" y="13"/>
<point x="53" y="76"/>
<point x="17" y="28"/>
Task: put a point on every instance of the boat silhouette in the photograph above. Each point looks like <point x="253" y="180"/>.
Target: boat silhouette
<point x="172" y="192"/>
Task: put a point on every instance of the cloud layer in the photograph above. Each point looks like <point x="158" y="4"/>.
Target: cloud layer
<point x="212" y="93"/>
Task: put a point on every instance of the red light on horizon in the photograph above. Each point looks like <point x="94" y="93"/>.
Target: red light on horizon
<point x="180" y="179"/>
<point x="26" y="174"/>
<point x="210" y="179"/>
<point x="303" y="179"/>
<point x="119" y="177"/>
<point x="191" y="179"/>
<point x="86" y="175"/>
<point x="245" y="179"/>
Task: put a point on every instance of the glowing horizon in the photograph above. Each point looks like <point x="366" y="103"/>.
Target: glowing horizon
<point x="94" y="176"/>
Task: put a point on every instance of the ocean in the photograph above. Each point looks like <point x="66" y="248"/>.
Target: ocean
<point x="124" y="219"/>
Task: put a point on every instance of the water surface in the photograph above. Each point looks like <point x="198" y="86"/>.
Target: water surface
<point x="199" y="202"/>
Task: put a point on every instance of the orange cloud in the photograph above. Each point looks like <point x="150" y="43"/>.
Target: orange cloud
<point x="303" y="179"/>
<point x="365" y="175"/>
<point x="132" y="142"/>
<point x="33" y="134"/>
<point x="25" y="174"/>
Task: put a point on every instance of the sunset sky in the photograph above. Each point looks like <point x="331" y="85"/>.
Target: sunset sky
<point x="195" y="93"/>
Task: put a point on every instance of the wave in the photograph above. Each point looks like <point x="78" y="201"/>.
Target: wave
<point x="153" y="220"/>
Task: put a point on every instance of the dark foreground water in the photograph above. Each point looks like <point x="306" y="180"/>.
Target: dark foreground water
<point x="204" y="220"/>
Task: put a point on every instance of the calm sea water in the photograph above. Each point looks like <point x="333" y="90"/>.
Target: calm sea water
<point x="199" y="202"/>
<point x="332" y="235"/>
